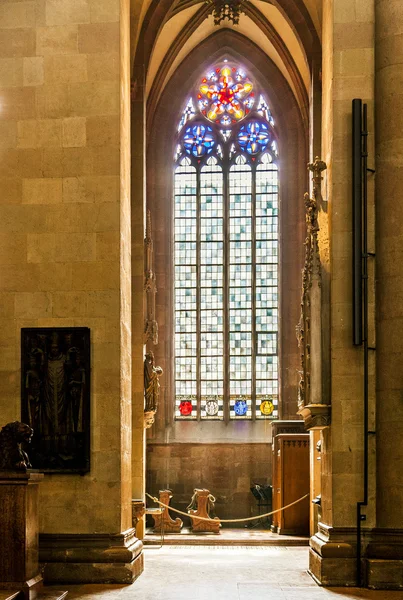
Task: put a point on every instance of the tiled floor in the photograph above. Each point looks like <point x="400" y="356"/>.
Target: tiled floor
<point x="225" y="573"/>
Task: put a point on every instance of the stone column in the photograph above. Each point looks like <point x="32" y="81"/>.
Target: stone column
<point x="138" y="204"/>
<point x="348" y="73"/>
<point x="65" y="254"/>
<point x="387" y="546"/>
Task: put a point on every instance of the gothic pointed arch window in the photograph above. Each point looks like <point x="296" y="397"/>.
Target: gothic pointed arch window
<point x="226" y="251"/>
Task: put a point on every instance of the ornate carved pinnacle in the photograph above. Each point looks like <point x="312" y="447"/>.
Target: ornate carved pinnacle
<point x="316" y="169"/>
<point x="150" y="287"/>
<point x="148" y="239"/>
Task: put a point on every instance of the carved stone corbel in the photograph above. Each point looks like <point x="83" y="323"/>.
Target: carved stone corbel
<point x="138" y="511"/>
<point x="309" y="329"/>
<point x="150" y="288"/>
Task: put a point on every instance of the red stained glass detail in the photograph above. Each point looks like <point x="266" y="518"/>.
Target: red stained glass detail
<point x="227" y="96"/>
<point x="185" y="407"/>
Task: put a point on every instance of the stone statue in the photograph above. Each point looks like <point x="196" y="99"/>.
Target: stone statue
<point x="151" y="389"/>
<point x="12" y="457"/>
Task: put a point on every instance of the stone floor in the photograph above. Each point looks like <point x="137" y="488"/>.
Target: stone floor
<point x="225" y="573"/>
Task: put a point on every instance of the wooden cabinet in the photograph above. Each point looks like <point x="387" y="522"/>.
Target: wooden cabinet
<point x="290" y="482"/>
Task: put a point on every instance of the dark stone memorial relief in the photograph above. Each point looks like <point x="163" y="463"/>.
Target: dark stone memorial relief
<point x="55" y="394"/>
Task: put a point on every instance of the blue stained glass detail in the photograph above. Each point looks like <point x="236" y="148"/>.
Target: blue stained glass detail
<point x="254" y="137"/>
<point x="240" y="408"/>
<point x="198" y="140"/>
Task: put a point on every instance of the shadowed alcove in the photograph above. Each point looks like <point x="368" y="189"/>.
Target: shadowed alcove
<point x="237" y="452"/>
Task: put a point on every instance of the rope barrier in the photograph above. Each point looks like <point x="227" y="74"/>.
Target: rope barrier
<point x="154" y="499"/>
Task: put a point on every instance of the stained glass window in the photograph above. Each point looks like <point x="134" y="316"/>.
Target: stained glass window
<point x="226" y="251"/>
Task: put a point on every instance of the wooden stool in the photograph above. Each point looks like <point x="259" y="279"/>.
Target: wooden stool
<point x="204" y="502"/>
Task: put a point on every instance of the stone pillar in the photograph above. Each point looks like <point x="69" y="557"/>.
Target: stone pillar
<point x="138" y="212"/>
<point x="386" y="548"/>
<point x="348" y="72"/>
<point x="66" y="254"/>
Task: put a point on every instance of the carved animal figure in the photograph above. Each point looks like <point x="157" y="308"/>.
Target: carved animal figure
<point x="12" y="456"/>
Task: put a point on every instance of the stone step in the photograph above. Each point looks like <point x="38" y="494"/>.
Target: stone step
<point x="226" y="537"/>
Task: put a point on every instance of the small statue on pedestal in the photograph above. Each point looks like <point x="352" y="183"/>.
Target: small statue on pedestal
<point x="151" y="389"/>
<point x="12" y="456"/>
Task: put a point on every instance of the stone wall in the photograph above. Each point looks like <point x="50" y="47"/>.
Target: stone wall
<point x="348" y="72"/>
<point x="227" y="470"/>
<point x="65" y="227"/>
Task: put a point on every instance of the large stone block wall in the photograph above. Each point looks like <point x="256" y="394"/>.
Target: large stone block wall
<point x="65" y="227"/>
<point x="348" y="72"/>
<point x="227" y="470"/>
<point x="389" y="189"/>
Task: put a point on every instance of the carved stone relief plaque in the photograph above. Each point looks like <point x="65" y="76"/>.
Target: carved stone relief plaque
<point x="55" y="397"/>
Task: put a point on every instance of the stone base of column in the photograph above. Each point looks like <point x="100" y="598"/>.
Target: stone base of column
<point x="332" y="556"/>
<point x="91" y="558"/>
<point x="384" y="559"/>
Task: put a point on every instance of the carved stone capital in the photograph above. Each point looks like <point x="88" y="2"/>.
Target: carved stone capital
<point x="316" y="416"/>
<point x="138" y="510"/>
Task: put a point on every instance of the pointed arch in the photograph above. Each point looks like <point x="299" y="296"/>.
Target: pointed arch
<point x="161" y="129"/>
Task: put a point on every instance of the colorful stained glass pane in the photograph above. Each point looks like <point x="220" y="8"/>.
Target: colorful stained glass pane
<point x="264" y="110"/>
<point x="226" y="97"/>
<point x="240" y="407"/>
<point x="226" y="133"/>
<point x="226" y="252"/>
<point x="187" y="114"/>
<point x="198" y="140"/>
<point x="211" y="407"/>
<point x="267" y="407"/>
<point x="254" y="137"/>
<point x="185" y="408"/>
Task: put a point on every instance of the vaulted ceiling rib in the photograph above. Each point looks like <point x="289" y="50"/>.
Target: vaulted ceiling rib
<point x="284" y="29"/>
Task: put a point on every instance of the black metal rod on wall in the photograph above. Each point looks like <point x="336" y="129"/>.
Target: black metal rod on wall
<point x="360" y="281"/>
<point x="357" y="222"/>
